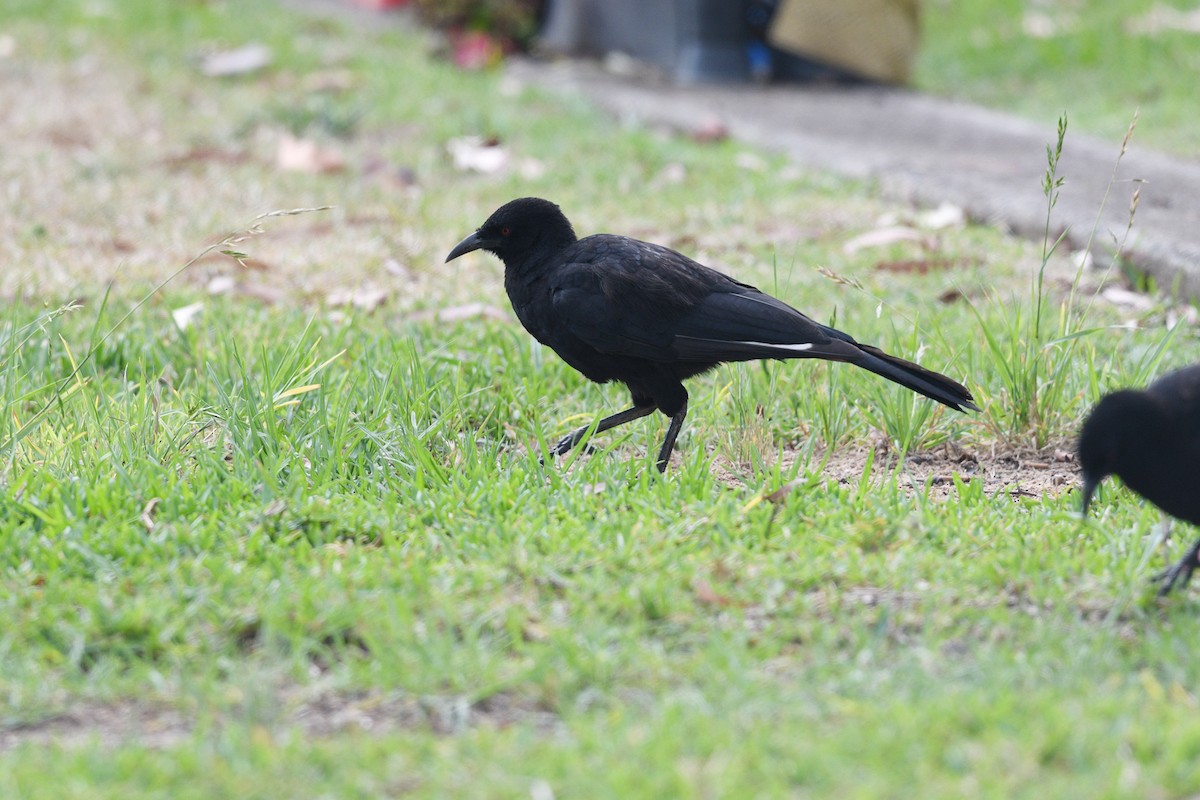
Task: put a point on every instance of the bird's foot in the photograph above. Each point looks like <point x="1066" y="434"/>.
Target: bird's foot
<point x="1176" y="575"/>
<point x="564" y="446"/>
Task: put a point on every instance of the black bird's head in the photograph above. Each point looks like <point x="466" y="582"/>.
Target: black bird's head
<point x="1111" y="437"/>
<point x="519" y="229"/>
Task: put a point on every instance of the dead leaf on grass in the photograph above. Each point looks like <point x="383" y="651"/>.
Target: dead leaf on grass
<point x="148" y="513"/>
<point x="780" y="494"/>
<point x="197" y="155"/>
<point x="918" y="266"/>
<point x="119" y="245"/>
<point x="260" y="291"/>
<point x="476" y="154"/>
<point x="366" y="298"/>
<point x="707" y="595"/>
<point x="184" y="315"/>
<point x="239" y="61"/>
<point x="946" y="215"/>
<point x="305" y="155"/>
<point x="221" y="284"/>
<point x="1124" y="298"/>
<point x="881" y="237"/>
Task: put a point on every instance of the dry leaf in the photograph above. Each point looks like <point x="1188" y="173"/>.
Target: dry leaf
<point x="221" y="284"/>
<point x="881" y="237"/>
<point x="197" y="155"/>
<point x="148" y="513"/>
<point x="534" y="631"/>
<point x="305" y="155"/>
<point x="1124" y="298"/>
<point x="367" y="298"/>
<point x="239" y="61"/>
<point x="184" y="314"/>
<point x="707" y="595"/>
<point x="919" y="266"/>
<point x="475" y="154"/>
<point x="947" y="215"/>
<point x="261" y="292"/>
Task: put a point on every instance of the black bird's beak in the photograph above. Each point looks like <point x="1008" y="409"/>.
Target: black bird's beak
<point x="472" y="242"/>
<point x="1090" y="482"/>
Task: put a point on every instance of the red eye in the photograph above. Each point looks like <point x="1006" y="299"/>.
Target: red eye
<point x="505" y="231"/>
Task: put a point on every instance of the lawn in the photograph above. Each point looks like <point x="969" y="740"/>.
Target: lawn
<point x="278" y="528"/>
<point x="1098" y="60"/>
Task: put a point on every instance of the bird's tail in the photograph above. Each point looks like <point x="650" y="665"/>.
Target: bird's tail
<point x="933" y="385"/>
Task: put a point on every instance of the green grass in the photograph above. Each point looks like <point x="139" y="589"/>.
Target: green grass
<point x="1098" y="60"/>
<point x="285" y="511"/>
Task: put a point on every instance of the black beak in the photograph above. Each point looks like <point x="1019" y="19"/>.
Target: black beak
<point x="1090" y="482"/>
<point x="472" y="242"/>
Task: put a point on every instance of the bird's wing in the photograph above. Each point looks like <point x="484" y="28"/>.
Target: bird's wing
<point x="607" y="323"/>
<point x="652" y="303"/>
<point x="747" y="324"/>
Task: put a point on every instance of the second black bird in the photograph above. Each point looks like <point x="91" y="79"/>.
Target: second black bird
<point x="1151" y="440"/>
<point x="620" y="309"/>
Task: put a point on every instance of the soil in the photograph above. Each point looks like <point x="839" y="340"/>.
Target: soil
<point x="320" y="714"/>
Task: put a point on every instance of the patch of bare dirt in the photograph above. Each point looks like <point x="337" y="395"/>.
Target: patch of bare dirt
<point x="109" y="724"/>
<point x="323" y="714"/>
<point x="1018" y="473"/>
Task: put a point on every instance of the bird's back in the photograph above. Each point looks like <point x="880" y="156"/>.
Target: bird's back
<point x="1168" y="470"/>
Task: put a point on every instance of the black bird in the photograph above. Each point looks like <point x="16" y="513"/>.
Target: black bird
<point x="619" y="309"/>
<point x="1150" y="440"/>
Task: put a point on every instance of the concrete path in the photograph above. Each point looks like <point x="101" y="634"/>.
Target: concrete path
<point x="927" y="150"/>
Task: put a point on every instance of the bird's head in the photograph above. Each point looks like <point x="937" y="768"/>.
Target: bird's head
<point x="518" y="229"/>
<point x="1113" y="426"/>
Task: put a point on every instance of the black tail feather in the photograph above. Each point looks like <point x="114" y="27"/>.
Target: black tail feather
<point x="933" y="385"/>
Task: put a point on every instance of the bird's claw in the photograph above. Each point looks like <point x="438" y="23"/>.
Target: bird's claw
<point x="1176" y="575"/>
<point x="564" y="446"/>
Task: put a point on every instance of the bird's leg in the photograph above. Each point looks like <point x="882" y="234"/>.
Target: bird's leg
<point x="620" y="418"/>
<point x="1181" y="572"/>
<point x="664" y="454"/>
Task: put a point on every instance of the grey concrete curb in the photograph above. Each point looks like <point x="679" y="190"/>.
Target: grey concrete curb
<point x="927" y="150"/>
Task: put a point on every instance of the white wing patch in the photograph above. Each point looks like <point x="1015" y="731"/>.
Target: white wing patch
<point x="795" y="348"/>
